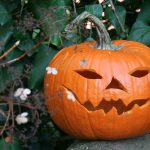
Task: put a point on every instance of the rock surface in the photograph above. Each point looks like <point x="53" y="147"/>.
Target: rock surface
<point x="140" y="143"/>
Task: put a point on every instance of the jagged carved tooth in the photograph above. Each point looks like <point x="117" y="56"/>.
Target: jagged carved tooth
<point x="95" y="103"/>
<point x="113" y="111"/>
<point x="135" y="108"/>
<point x="145" y="105"/>
<point x="102" y="112"/>
<point x="126" y="102"/>
<point x="107" y="98"/>
<point x="100" y="99"/>
<point x="114" y="97"/>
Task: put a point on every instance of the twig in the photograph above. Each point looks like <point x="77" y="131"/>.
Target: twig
<point x="8" y="99"/>
<point x="6" y="122"/>
<point x="74" y="8"/>
<point x="24" y="54"/>
<point x="117" y="17"/>
<point x="11" y="113"/>
<point x="9" y="50"/>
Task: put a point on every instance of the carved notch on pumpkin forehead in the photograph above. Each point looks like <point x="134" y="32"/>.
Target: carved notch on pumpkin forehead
<point x="140" y="72"/>
<point x="89" y="74"/>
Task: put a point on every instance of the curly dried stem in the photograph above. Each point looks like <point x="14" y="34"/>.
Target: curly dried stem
<point x="104" y="41"/>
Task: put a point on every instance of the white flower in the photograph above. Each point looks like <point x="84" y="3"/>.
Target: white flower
<point x="22" y="118"/>
<point x="26" y="91"/>
<point x="24" y="114"/>
<point x="22" y="93"/>
<point x="70" y="95"/>
<point x="51" y="70"/>
<point x="18" y="92"/>
<point x="23" y="97"/>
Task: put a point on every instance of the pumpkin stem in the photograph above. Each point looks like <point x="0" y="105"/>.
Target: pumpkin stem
<point x="104" y="41"/>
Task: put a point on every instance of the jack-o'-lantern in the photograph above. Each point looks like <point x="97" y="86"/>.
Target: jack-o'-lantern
<point x="102" y="91"/>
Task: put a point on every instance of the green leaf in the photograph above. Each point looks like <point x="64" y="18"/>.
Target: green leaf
<point x="5" y="34"/>
<point x="95" y="9"/>
<point x="26" y="42"/>
<point x="73" y="37"/>
<point x="121" y="13"/>
<point x="35" y="33"/>
<point x="140" y="32"/>
<point x="16" y="145"/>
<point x="56" y="39"/>
<point x="39" y="66"/>
<point x="11" y="72"/>
<point x="141" y="29"/>
<point x="10" y="5"/>
<point x="4" y="15"/>
<point x="3" y="113"/>
<point x="55" y="19"/>
<point x="60" y="2"/>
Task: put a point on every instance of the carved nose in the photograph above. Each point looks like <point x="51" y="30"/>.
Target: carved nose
<point x="115" y="84"/>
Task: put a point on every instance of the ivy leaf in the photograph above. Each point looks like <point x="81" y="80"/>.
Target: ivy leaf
<point x="39" y="66"/>
<point x="5" y="34"/>
<point x="9" y="74"/>
<point x="73" y="37"/>
<point x="26" y="42"/>
<point x="121" y="12"/>
<point x="53" y="17"/>
<point x="16" y="145"/>
<point x="141" y="29"/>
<point x="12" y="72"/>
<point x="95" y="9"/>
<point x="60" y="2"/>
<point x="5" y="16"/>
<point x="3" y="113"/>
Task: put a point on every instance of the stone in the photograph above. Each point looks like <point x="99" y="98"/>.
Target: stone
<point x="140" y="143"/>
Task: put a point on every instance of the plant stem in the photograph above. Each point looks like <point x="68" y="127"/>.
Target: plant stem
<point x="9" y="50"/>
<point x="24" y="54"/>
<point x="104" y="41"/>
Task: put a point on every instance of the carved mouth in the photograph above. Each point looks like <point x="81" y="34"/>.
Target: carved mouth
<point x="106" y="106"/>
<point x="119" y="105"/>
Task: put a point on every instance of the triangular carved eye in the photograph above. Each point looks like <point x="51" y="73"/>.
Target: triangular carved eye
<point x="140" y="73"/>
<point x="89" y="74"/>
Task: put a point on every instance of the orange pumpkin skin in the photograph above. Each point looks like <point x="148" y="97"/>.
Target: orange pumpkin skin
<point x="100" y="94"/>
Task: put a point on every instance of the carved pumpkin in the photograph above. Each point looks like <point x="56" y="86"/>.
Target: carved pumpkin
<point x="100" y="93"/>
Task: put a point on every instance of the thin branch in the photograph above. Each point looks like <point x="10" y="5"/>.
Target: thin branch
<point x="24" y="54"/>
<point x="6" y="122"/>
<point x="74" y="8"/>
<point x="117" y="17"/>
<point x="8" y="99"/>
<point x="9" y="50"/>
